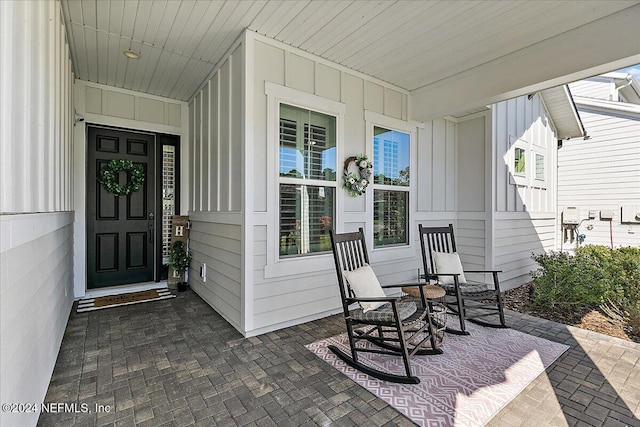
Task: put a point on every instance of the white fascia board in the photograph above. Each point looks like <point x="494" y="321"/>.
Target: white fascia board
<point x="623" y="107"/>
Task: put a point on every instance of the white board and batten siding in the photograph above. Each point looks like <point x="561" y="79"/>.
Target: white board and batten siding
<point x="36" y="201"/>
<point x="473" y="174"/>
<point x="217" y="188"/>
<point x="602" y="173"/>
<point x="293" y="290"/>
<point x="524" y="217"/>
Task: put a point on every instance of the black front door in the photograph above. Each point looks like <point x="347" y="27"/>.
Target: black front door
<point x="120" y="230"/>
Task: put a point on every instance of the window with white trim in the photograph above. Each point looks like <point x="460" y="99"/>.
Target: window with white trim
<point x="538" y="159"/>
<point x="517" y="160"/>
<point x="307" y="183"/>
<point x="391" y="186"/>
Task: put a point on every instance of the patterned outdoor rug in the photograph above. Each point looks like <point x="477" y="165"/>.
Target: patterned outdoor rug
<point x="90" y="304"/>
<point x="469" y="384"/>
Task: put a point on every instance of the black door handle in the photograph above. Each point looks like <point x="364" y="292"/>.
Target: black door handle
<point x="150" y="222"/>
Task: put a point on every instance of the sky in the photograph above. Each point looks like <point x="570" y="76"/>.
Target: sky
<point x="634" y="69"/>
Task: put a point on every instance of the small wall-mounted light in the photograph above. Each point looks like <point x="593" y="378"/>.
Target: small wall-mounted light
<point x="131" y="54"/>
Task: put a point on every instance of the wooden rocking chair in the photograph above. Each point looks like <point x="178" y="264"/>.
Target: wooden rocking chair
<point x="439" y="247"/>
<point x="393" y="326"/>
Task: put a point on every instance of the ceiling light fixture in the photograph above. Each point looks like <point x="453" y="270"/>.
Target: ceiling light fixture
<point x="131" y="54"/>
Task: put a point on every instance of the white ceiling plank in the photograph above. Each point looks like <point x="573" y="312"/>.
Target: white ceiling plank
<point x="142" y="19"/>
<point x="153" y="23"/>
<point x="414" y="30"/>
<point x="102" y="43"/>
<point x="75" y="11"/>
<point x="265" y="14"/>
<point x="303" y="22"/>
<point x="417" y="27"/>
<point x="89" y="13"/>
<point x="192" y="80"/>
<point x="91" y="46"/>
<point x="141" y="69"/>
<point x="332" y="32"/>
<point x="241" y="16"/>
<point x="204" y="28"/>
<point x="197" y="15"/>
<point x="246" y="14"/>
<point x="383" y="20"/>
<point x="114" y="54"/>
<point x="224" y="25"/>
<point x="286" y="13"/>
<point x="73" y="50"/>
<point x="174" y="67"/>
<point x="151" y="66"/>
<point x="116" y="9"/>
<point x="121" y="69"/>
<point x="129" y="14"/>
<point x="161" y="69"/>
<point x="190" y="73"/>
<point x="102" y="15"/>
<point x="80" y="45"/>
<point x="370" y="21"/>
<point x="180" y="22"/>
<point x="164" y="26"/>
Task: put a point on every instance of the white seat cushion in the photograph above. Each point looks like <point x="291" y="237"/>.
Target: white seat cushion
<point x="365" y="284"/>
<point x="448" y="263"/>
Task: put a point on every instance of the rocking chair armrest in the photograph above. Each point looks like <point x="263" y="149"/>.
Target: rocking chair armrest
<point x="371" y="299"/>
<point x="403" y="285"/>
<point x="483" y="271"/>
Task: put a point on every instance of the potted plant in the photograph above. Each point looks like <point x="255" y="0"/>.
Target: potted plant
<point x="179" y="260"/>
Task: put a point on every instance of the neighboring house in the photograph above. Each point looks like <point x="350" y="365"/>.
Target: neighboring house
<point x="601" y="176"/>
<point x="248" y="136"/>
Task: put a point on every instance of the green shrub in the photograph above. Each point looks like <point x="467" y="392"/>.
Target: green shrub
<point x="588" y="279"/>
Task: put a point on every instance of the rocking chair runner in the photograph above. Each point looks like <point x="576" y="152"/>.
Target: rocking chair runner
<point x="485" y="299"/>
<point x="393" y="326"/>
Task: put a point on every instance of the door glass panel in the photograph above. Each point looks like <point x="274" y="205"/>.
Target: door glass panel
<point x="168" y="197"/>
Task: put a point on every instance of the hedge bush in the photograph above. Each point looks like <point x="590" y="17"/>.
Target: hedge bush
<point x="594" y="276"/>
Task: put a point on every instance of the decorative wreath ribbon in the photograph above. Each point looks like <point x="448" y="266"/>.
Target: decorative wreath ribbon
<point x="108" y="176"/>
<point x="356" y="183"/>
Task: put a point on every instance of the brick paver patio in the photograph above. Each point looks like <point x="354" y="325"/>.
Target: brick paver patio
<point x="178" y="363"/>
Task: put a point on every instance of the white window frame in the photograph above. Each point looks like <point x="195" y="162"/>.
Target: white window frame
<point x="537" y="150"/>
<point x="276" y="95"/>
<point x="517" y="179"/>
<point x="406" y="250"/>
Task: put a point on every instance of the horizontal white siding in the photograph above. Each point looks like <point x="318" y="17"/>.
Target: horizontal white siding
<point x="515" y="240"/>
<point x="36" y="109"/>
<point x="218" y="245"/>
<point x="36" y="295"/>
<point x="596" y="87"/>
<point x="602" y="173"/>
<point x="470" y="242"/>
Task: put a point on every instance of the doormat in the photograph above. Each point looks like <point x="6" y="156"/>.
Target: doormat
<point x="91" y="304"/>
<point x="467" y="385"/>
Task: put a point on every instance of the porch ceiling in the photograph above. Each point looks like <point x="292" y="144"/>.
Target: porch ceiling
<point x="410" y="44"/>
